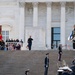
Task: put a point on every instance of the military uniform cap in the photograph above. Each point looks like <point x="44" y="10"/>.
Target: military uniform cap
<point x="60" y="70"/>
<point x="66" y="68"/>
<point x="47" y="53"/>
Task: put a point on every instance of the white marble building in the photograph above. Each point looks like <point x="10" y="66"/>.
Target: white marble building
<point x="49" y="22"/>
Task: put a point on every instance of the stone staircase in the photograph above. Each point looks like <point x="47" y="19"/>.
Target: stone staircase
<point x="33" y="47"/>
<point x="16" y="62"/>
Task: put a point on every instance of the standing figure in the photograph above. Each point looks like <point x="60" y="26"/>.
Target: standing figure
<point x="60" y="52"/>
<point x="21" y="42"/>
<point x="29" y="42"/>
<point x="73" y="37"/>
<point x="46" y="64"/>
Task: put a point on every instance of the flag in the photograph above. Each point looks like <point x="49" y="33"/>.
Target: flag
<point x="70" y="37"/>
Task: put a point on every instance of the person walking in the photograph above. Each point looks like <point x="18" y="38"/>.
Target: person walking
<point x="29" y="42"/>
<point x="46" y="64"/>
<point x="60" y="52"/>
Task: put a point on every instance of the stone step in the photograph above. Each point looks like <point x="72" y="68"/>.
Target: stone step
<point x="33" y="48"/>
<point x="16" y="62"/>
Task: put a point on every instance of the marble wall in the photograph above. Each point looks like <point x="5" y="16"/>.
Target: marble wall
<point x="29" y="14"/>
<point x="10" y="20"/>
<point x="56" y="19"/>
<point x="38" y="36"/>
<point x="69" y="20"/>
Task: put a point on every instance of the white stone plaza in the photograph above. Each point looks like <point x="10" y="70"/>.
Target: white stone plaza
<point x="49" y="22"/>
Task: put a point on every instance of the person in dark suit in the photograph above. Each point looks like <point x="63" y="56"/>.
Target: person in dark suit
<point x="30" y="42"/>
<point x="46" y="63"/>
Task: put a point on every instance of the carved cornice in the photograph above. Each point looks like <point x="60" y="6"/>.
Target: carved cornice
<point x="48" y="4"/>
<point x="22" y="4"/>
<point x="46" y="0"/>
<point x="63" y="3"/>
<point x="35" y="4"/>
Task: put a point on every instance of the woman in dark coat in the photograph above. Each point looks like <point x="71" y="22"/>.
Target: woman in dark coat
<point x="60" y="52"/>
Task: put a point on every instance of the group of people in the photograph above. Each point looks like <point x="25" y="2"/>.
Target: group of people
<point x="10" y="45"/>
<point x="13" y="46"/>
<point x="65" y="70"/>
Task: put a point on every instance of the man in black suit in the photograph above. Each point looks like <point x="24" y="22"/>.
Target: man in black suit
<point x="29" y="42"/>
<point x="46" y="63"/>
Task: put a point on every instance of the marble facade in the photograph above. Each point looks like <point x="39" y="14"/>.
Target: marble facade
<point x="36" y="18"/>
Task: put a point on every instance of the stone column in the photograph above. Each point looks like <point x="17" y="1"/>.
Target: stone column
<point x="48" y="27"/>
<point x="62" y="36"/>
<point x="22" y="22"/>
<point x="35" y="14"/>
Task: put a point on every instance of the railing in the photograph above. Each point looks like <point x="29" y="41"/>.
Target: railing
<point x="12" y="42"/>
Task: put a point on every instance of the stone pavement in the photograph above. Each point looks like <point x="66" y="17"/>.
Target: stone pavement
<point x="16" y="62"/>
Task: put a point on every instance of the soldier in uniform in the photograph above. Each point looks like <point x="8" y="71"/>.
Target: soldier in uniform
<point x="60" y="52"/>
<point x="46" y="64"/>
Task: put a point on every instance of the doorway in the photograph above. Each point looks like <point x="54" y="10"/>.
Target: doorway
<point x="55" y="37"/>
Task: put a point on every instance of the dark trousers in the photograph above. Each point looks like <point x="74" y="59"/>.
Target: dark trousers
<point x="73" y="44"/>
<point x="59" y="57"/>
<point x="59" y="73"/>
<point x="46" y="71"/>
<point x="29" y="46"/>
